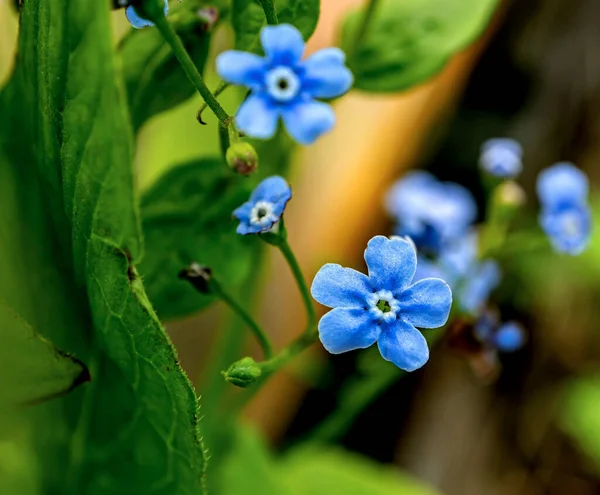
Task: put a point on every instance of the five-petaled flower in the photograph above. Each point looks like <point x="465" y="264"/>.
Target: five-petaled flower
<point x="139" y="22"/>
<point x="265" y="207"/>
<point x="282" y="85"/>
<point x="565" y="216"/>
<point x="383" y="307"/>
<point x="502" y="157"/>
<point x="430" y="212"/>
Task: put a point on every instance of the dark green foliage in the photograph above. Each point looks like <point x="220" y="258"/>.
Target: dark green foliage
<point x="187" y="217"/>
<point x="248" y="18"/>
<point x="71" y="238"/>
<point x="407" y="42"/>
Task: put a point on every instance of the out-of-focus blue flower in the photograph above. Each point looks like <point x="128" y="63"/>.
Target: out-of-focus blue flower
<point x="502" y="157"/>
<point x="565" y="216"/>
<point x="510" y="337"/>
<point x="265" y="207"/>
<point x="383" y="307"/>
<point x="503" y="337"/>
<point x="471" y="280"/>
<point x="139" y="22"/>
<point x="430" y="212"/>
<point x="481" y="280"/>
<point x="283" y="85"/>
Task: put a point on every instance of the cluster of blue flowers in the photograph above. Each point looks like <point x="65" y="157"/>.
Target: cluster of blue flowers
<point x="439" y="218"/>
<point x="435" y="249"/>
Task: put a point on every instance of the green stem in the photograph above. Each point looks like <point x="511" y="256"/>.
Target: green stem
<point x="364" y="25"/>
<point x="270" y="12"/>
<point x="222" y="87"/>
<point x="258" y="332"/>
<point x="190" y="68"/>
<point x="311" y="314"/>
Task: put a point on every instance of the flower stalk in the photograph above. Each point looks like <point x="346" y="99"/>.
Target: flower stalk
<point x="190" y="68"/>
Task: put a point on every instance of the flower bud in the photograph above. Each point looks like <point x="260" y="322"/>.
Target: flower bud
<point x="243" y="373"/>
<point x="511" y="194"/>
<point x="242" y="158"/>
<point x="199" y="276"/>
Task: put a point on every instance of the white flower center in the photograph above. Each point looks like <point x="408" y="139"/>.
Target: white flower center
<point x="383" y="305"/>
<point x="282" y="83"/>
<point x="262" y="213"/>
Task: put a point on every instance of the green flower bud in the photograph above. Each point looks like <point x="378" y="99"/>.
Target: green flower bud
<point x="243" y="373"/>
<point x="242" y="158"/>
<point x="511" y="194"/>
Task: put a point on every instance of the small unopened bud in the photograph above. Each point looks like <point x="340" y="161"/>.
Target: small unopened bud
<point x="242" y="158"/>
<point x="199" y="276"/>
<point x="208" y="17"/>
<point x="243" y="373"/>
<point x="511" y="194"/>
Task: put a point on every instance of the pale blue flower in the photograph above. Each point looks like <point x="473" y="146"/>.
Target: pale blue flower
<point x="383" y="307"/>
<point x="139" y="22"/>
<point x="565" y="216"/>
<point x="430" y="212"/>
<point x="282" y="85"/>
<point x="265" y="207"/>
<point x="472" y="280"/>
<point x="502" y="157"/>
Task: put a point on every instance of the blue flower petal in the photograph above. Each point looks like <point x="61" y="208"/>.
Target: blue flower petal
<point x="305" y="120"/>
<point x="392" y="262"/>
<point x="336" y="286"/>
<point x="283" y="44"/>
<point x="242" y="213"/>
<point x="403" y="345"/>
<point x="502" y="157"/>
<point x="135" y="20"/>
<point x="273" y="189"/>
<point x="246" y="69"/>
<point x="562" y="184"/>
<point x="344" y="329"/>
<point x="325" y="75"/>
<point x="139" y="22"/>
<point x="257" y="117"/>
<point x="426" y="304"/>
<point x="478" y="286"/>
<point x="569" y="229"/>
<point x="509" y="337"/>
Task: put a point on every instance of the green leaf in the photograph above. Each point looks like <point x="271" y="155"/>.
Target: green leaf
<point x="154" y="80"/>
<point x="316" y="470"/>
<point x="580" y="415"/>
<point x="32" y="369"/>
<point x="187" y="216"/>
<point x="322" y="471"/>
<point x="71" y="237"/>
<point x="409" y="41"/>
<point x="248" y="18"/>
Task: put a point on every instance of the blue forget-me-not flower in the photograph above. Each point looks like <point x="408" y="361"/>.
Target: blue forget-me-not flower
<point x="283" y="85"/>
<point x="139" y="22"/>
<point x="430" y="212"/>
<point x="265" y="207"/>
<point x="565" y="216"/>
<point x="383" y="307"/>
<point x="502" y="157"/>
